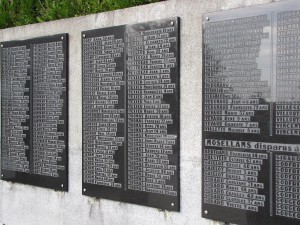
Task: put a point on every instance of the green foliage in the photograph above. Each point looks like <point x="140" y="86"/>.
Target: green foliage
<point x="22" y="12"/>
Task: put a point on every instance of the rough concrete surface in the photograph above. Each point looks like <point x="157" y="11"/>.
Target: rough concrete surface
<point x="28" y="205"/>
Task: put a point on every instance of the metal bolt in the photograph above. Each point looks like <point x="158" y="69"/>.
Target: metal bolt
<point x="172" y="23"/>
<point x="84" y="190"/>
<point x="207" y="18"/>
<point x="172" y="204"/>
<point x="62" y="185"/>
<point x="2" y="175"/>
<point x="83" y="35"/>
<point x="62" y="38"/>
<point x="205" y="212"/>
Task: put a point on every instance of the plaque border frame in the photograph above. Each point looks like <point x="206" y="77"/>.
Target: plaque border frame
<point x="127" y="196"/>
<point x="55" y="183"/>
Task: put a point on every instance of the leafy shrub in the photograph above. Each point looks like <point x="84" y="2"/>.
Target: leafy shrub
<point x="22" y="12"/>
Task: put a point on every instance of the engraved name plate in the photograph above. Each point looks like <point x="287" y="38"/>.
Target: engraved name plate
<point x="251" y="108"/>
<point x="34" y="111"/>
<point x="131" y="113"/>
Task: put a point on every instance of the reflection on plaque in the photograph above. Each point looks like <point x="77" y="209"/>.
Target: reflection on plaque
<point x="34" y="111"/>
<point x="131" y="113"/>
<point x="251" y="105"/>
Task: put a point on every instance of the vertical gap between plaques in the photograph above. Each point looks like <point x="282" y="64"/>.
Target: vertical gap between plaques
<point x="125" y="114"/>
<point x="271" y="184"/>
<point x="273" y="98"/>
<point x="31" y="160"/>
<point x="271" y="75"/>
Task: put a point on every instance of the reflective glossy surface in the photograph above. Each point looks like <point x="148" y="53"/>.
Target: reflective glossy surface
<point x="131" y="113"/>
<point x="251" y="115"/>
<point x="34" y="112"/>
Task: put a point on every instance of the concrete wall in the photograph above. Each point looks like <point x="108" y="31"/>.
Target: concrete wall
<point x="28" y="205"/>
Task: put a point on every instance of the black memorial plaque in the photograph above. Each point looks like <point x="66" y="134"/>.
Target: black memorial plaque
<point x="131" y="113"/>
<point x="34" y="111"/>
<point x="251" y="115"/>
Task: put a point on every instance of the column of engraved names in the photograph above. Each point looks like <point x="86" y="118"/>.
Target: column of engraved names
<point x="149" y="80"/>
<point x="231" y="179"/>
<point x="15" y="108"/>
<point x="48" y="103"/>
<point x="233" y="81"/>
<point x="287" y="171"/>
<point x="103" y="119"/>
<point x="288" y="74"/>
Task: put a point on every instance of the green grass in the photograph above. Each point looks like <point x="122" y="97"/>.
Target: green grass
<point x="22" y="12"/>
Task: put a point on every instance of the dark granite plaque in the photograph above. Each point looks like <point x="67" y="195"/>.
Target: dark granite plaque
<point x="34" y="111"/>
<point x="251" y="115"/>
<point x="131" y="113"/>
